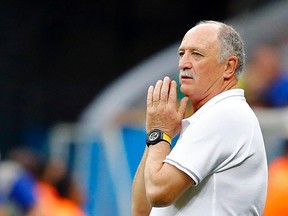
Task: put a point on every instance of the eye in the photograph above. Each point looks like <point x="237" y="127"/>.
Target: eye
<point x="196" y="53"/>
<point x="181" y="53"/>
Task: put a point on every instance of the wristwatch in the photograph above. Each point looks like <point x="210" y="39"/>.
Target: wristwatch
<point x="155" y="136"/>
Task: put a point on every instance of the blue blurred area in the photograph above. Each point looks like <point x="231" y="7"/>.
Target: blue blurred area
<point x="100" y="187"/>
<point x="134" y="142"/>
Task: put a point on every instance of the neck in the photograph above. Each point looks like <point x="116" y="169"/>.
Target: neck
<point x="230" y="84"/>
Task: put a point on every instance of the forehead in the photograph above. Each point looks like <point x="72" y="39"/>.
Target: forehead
<point x="201" y="36"/>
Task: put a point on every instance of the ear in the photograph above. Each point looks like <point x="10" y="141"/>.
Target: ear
<point x="230" y="67"/>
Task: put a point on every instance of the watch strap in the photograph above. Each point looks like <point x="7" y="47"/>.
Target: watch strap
<point x="166" y="138"/>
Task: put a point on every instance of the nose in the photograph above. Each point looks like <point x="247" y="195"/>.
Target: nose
<point x="184" y="62"/>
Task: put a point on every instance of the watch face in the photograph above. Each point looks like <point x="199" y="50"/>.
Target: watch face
<point x="153" y="136"/>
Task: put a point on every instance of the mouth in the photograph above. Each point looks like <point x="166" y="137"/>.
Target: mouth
<point x="186" y="77"/>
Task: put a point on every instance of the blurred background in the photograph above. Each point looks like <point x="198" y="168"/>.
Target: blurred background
<point x="75" y="75"/>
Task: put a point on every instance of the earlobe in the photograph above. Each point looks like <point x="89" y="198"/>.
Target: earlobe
<point x="230" y="67"/>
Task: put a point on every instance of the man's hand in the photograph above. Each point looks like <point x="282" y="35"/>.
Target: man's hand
<point x="162" y="107"/>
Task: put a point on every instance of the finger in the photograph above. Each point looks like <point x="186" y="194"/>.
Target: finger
<point x="157" y="91"/>
<point x="150" y="95"/>
<point x="173" y="93"/>
<point x="165" y="90"/>
<point x="182" y="107"/>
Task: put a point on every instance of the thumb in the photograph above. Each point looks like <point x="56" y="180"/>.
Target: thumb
<point x="182" y="107"/>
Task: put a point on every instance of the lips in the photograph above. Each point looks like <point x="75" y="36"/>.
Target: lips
<point x="185" y="74"/>
<point x="186" y="77"/>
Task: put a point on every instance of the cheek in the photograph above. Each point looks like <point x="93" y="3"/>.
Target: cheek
<point x="209" y="75"/>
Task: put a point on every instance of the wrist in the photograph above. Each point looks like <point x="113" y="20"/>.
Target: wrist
<point x="155" y="136"/>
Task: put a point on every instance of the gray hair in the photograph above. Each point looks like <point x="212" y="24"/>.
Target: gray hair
<point x="230" y="44"/>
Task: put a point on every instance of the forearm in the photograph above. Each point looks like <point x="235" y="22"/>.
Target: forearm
<point x="140" y="204"/>
<point x="155" y="175"/>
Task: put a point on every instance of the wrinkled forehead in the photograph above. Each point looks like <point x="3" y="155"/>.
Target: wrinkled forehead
<point x="205" y="31"/>
<point x="201" y="35"/>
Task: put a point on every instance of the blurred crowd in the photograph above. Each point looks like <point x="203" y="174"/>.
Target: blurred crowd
<point x="265" y="81"/>
<point x="265" y="78"/>
<point x="277" y="199"/>
<point x="34" y="185"/>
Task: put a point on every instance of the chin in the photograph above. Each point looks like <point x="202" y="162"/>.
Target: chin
<point x="185" y="89"/>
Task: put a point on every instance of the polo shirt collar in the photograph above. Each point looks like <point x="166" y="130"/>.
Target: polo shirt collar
<point x="224" y="95"/>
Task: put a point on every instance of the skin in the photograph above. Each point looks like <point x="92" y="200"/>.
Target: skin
<point x="201" y="77"/>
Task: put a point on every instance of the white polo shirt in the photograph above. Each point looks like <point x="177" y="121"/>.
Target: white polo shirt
<point x="221" y="148"/>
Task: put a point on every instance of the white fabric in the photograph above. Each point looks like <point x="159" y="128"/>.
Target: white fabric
<point x="9" y="172"/>
<point x="221" y="148"/>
